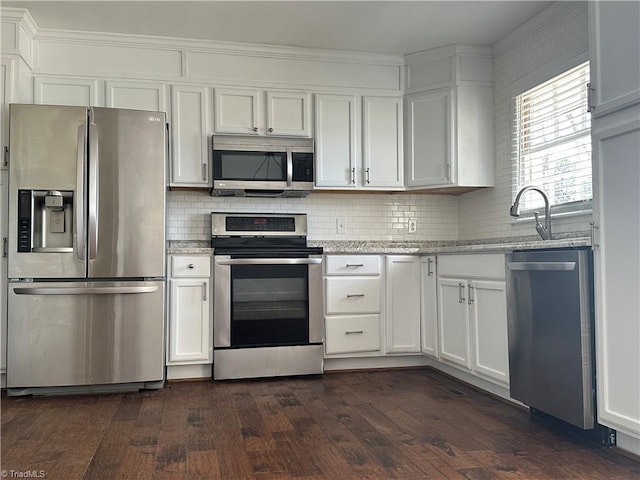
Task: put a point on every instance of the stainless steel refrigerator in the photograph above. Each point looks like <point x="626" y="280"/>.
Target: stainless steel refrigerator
<point x="86" y="264"/>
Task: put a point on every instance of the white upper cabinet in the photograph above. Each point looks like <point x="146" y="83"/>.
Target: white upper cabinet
<point x="449" y="139"/>
<point x="6" y="97"/>
<point x="136" y="95"/>
<point x="614" y="58"/>
<point x="429" y="137"/>
<point x="342" y="123"/>
<point x="288" y="113"/>
<point x="257" y="112"/>
<point x="190" y="130"/>
<point x="382" y="142"/>
<point x="236" y="111"/>
<point x="82" y="92"/>
<point x="336" y="140"/>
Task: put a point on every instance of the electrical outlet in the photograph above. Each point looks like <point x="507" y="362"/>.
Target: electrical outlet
<point x="413" y="225"/>
<point x="341" y="225"/>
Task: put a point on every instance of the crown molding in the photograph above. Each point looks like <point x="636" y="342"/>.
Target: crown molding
<point x="22" y="16"/>
<point x="227" y="48"/>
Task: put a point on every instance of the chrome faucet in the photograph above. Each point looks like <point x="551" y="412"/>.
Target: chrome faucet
<point x="543" y="230"/>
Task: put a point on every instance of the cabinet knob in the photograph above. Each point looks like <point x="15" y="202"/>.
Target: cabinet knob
<point x="271" y="129"/>
<point x="255" y="129"/>
<point x="191" y="265"/>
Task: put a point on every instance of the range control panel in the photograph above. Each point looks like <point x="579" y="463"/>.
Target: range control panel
<point x="259" y="225"/>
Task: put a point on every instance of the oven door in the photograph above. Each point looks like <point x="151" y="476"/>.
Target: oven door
<point x="267" y="302"/>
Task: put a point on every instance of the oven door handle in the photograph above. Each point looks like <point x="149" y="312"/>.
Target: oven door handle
<point x="268" y="261"/>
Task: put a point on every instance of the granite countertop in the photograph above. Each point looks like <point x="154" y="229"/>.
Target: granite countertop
<point x="189" y="247"/>
<point x="506" y="244"/>
<point x="455" y="246"/>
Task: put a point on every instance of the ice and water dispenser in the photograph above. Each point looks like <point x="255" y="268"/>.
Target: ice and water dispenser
<point x="45" y="221"/>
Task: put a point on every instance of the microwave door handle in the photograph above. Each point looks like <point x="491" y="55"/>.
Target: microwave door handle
<point x="78" y="201"/>
<point x="93" y="189"/>
<point x="289" y="168"/>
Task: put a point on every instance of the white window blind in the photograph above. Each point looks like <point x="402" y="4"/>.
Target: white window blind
<point x="552" y="142"/>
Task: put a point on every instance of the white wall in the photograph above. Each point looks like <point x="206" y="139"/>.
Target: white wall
<point x="555" y="36"/>
<point x="368" y="217"/>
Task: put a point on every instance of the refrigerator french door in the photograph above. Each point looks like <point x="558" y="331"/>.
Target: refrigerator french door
<point x="86" y="261"/>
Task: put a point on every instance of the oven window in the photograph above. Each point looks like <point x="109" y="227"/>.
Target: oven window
<point x="230" y="165"/>
<point x="269" y="305"/>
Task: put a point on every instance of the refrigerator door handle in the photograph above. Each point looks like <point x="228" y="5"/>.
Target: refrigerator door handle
<point x="78" y="201"/>
<point x="82" y="290"/>
<point x="93" y="189"/>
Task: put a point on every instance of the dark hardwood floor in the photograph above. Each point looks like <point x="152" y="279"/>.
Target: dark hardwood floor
<point x="394" y="424"/>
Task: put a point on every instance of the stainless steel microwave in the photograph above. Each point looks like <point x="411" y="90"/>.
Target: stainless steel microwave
<point x="262" y="166"/>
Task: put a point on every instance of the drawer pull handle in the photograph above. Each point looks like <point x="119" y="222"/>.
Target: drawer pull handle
<point x="352" y="332"/>
<point x="354" y="265"/>
<point x="191" y="265"/>
<point x="352" y="295"/>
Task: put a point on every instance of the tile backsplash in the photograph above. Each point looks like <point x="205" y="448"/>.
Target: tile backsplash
<point x="366" y="216"/>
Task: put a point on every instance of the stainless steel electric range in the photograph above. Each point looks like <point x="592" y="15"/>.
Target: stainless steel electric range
<point x="268" y="309"/>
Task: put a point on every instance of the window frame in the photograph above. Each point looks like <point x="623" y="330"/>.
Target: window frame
<point x="583" y="207"/>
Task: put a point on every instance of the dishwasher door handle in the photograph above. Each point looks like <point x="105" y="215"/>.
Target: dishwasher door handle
<point x="549" y="266"/>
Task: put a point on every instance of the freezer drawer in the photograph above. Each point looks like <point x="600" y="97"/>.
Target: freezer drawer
<point x="85" y="333"/>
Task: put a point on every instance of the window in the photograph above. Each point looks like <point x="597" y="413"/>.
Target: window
<point x="552" y="142"/>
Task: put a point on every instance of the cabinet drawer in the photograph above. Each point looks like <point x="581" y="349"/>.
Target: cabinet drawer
<point x="190" y="266"/>
<point x="489" y="265"/>
<point x="352" y="334"/>
<point x="352" y="264"/>
<point x="352" y="295"/>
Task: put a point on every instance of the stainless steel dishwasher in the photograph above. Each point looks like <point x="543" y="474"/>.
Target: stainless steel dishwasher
<point x="551" y="326"/>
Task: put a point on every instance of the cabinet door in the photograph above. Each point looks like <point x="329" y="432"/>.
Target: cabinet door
<point x="336" y="142"/>
<point x="614" y="36"/>
<point x="453" y="321"/>
<point x="288" y="114"/>
<point x="7" y="71"/>
<point x="487" y="301"/>
<point x="80" y="92"/>
<point x="617" y="270"/>
<point x="190" y="339"/>
<point x="237" y="111"/>
<point x="429" y="138"/>
<point x="429" y="307"/>
<point x="403" y="304"/>
<point x="136" y="95"/>
<point x="382" y="142"/>
<point x="4" y="219"/>
<point x="190" y="115"/>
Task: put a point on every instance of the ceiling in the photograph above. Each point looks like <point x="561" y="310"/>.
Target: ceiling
<point x="393" y="27"/>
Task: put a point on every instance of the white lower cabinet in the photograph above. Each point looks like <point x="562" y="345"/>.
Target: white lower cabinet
<point x="353" y="305"/>
<point x="403" y="304"/>
<point x="488" y="316"/>
<point x="429" y="306"/>
<point x="472" y="314"/>
<point x="189" y="339"/>
<point x="372" y="305"/>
